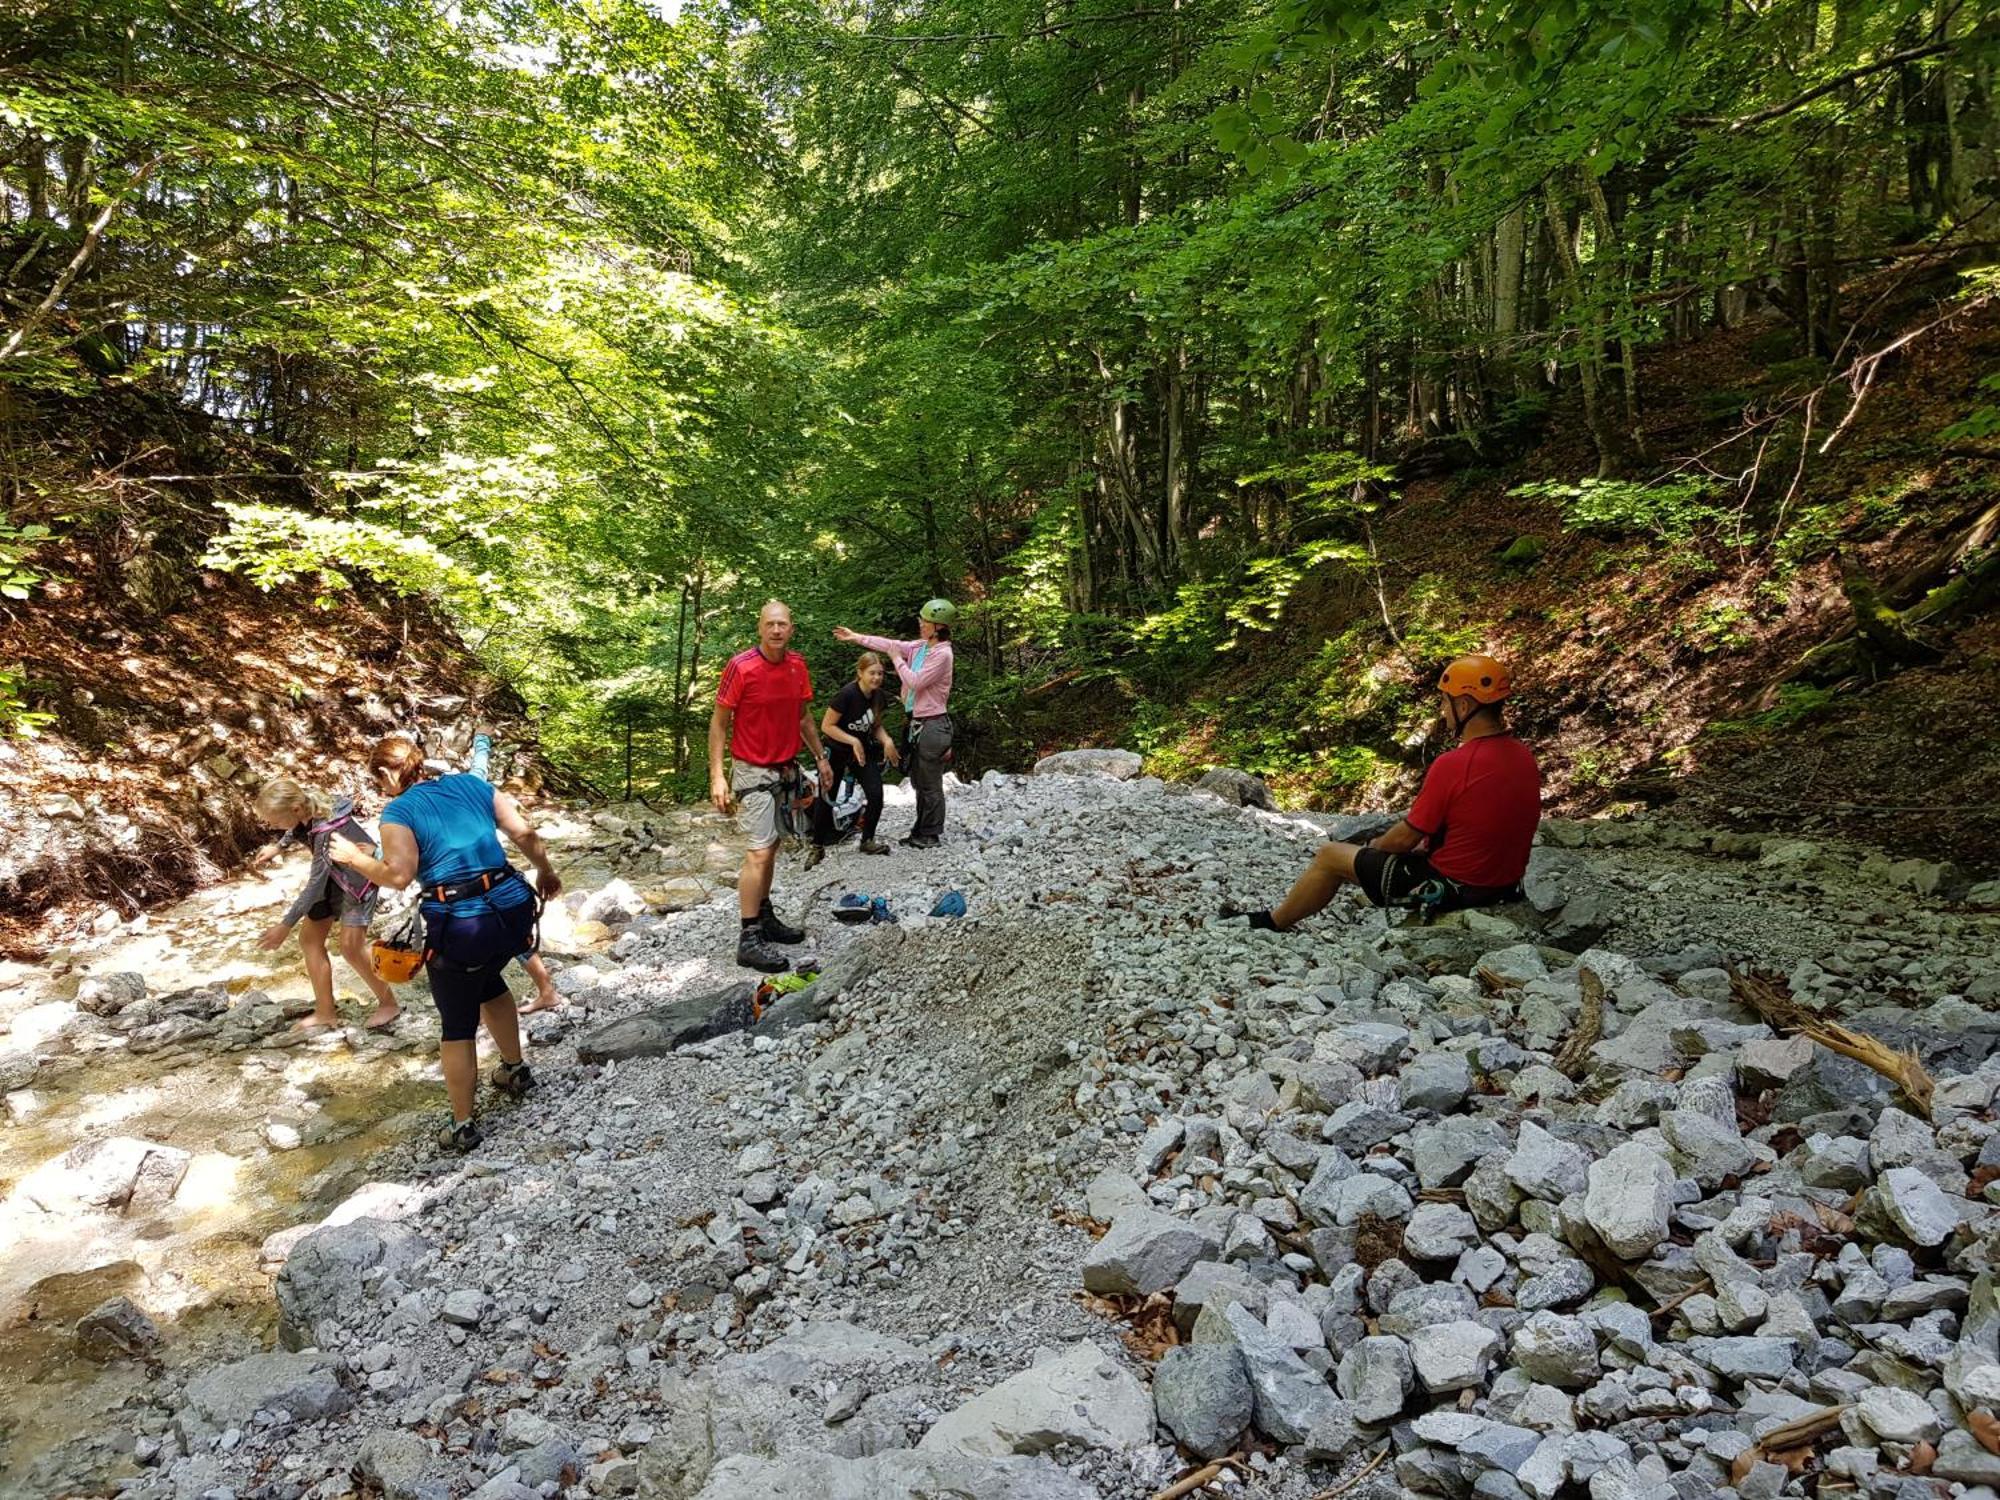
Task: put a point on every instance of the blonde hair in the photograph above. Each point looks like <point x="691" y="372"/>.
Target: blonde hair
<point x="397" y="764"/>
<point x="282" y="797"/>
<point x="866" y="660"/>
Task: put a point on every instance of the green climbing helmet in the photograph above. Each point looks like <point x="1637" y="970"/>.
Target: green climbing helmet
<point x="939" y="612"/>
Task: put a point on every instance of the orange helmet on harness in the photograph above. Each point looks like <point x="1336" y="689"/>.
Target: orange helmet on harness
<point x="1480" y="678"/>
<point x="396" y="964"/>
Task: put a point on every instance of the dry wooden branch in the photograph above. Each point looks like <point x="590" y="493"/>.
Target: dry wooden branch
<point x="1355" y="1478"/>
<point x="1599" y="1257"/>
<point x="1796" y="1433"/>
<point x="1188" y="1484"/>
<point x="1903" y="1069"/>
<point x="1575" y="1054"/>
<point x="1673" y="1302"/>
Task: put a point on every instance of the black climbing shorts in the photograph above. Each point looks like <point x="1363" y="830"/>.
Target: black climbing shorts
<point x="1394" y="879"/>
<point x="1390" y="879"/>
<point x="467" y="956"/>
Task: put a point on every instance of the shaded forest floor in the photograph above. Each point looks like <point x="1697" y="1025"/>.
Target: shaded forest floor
<point x="1650" y="668"/>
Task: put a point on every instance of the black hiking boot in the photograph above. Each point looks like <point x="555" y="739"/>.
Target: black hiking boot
<point x="775" y="931"/>
<point x="1260" y="920"/>
<point x="460" y="1138"/>
<point x="513" y="1078"/>
<point x="752" y="952"/>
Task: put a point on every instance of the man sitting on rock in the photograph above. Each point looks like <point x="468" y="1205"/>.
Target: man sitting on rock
<point x="1465" y="842"/>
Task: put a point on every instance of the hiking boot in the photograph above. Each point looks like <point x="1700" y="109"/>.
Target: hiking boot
<point x="752" y="952"/>
<point x="874" y="846"/>
<point x="460" y="1138"/>
<point x="1259" y="920"/>
<point x="815" y="854"/>
<point x="513" y="1078"/>
<point x="775" y="931"/>
<point x="916" y="843"/>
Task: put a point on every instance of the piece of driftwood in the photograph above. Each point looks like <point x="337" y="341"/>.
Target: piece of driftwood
<point x="1575" y="1054"/>
<point x="1790" y="1438"/>
<point x="1189" y="1483"/>
<point x="1355" y="1478"/>
<point x="1903" y="1069"/>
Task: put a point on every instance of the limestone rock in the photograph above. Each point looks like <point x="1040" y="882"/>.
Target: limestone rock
<point x="1118" y="765"/>
<point x="1204" y="1396"/>
<point x="1146" y="1252"/>
<point x="1081" y="1396"/>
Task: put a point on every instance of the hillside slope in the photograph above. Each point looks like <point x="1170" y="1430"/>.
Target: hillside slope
<point x="171" y="691"/>
<point x="1651" y="663"/>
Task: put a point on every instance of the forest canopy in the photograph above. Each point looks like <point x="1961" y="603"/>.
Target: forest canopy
<point x="598" y="322"/>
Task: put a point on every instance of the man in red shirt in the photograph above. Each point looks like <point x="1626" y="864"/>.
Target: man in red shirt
<point x="763" y="708"/>
<point x="1470" y="829"/>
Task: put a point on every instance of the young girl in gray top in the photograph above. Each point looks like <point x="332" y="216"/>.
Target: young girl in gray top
<point x="331" y="893"/>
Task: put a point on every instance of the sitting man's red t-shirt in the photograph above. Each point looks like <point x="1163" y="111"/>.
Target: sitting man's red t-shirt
<point x="768" y="697"/>
<point x="1479" y="808"/>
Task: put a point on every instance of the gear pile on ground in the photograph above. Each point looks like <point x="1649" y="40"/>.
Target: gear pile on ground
<point x="1063" y="1197"/>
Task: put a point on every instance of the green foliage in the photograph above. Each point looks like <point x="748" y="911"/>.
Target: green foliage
<point x="277" y="548"/>
<point x="1983" y="421"/>
<point x="18" y="544"/>
<point x="16" y="717"/>
<point x="1593" y="769"/>
<point x="1523" y="552"/>
<point x="1670" y="510"/>
<point x="597" y="324"/>
<point x="1797" y="703"/>
<point x="1721" y="626"/>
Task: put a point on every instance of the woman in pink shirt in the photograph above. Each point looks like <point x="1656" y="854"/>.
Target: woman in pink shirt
<point x="924" y="668"/>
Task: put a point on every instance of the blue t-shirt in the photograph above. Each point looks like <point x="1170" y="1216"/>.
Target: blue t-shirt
<point x="451" y="819"/>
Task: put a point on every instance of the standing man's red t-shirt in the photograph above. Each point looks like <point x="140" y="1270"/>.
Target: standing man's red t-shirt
<point x="767" y="697"/>
<point x="1479" y="807"/>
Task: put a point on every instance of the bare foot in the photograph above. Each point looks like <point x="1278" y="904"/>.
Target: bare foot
<point x="545" y="1000"/>
<point x="313" y="1025"/>
<point x="384" y="1017"/>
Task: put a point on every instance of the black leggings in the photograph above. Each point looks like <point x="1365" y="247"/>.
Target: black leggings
<point x="869" y="773"/>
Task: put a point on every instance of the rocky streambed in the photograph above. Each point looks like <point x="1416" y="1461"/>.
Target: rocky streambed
<point x="1068" y="1195"/>
<point x="163" y="1122"/>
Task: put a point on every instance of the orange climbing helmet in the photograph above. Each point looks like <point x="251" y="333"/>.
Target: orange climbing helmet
<point x="396" y="964"/>
<point x="1480" y="678"/>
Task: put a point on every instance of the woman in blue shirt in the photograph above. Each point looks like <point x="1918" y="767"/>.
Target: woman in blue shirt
<point x="479" y="912"/>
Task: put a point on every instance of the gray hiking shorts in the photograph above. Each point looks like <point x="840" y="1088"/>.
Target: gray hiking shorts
<point x="756" y="802"/>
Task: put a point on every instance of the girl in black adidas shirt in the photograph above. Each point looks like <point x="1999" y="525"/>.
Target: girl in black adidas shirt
<point x="855" y="741"/>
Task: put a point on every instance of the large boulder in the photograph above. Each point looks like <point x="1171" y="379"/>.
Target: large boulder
<point x="1118" y="765"/>
<point x="1204" y="1396"/>
<point x="322" y="1280"/>
<point x="107" y="994"/>
<point x="663" y="1029"/>
<point x="1630" y="1199"/>
<point x="1146" y="1252"/>
<point x="891" y="1476"/>
<point x="1080" y="1396"/>
<point x="772" y="1404"/>
<point x="1238" y="788"/>
<point x="116" y="1329"/>
<point x="119" y="1175"/>
<point x="1290" y="1397"/>
<point x="305" y="1387"/>
<point x="372" y="1200"/>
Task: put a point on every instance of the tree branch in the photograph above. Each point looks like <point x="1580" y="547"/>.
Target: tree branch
<point x="93" y="237"/>
<point x="1820" y="91"/>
